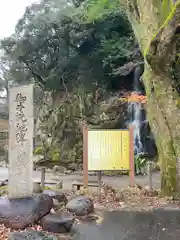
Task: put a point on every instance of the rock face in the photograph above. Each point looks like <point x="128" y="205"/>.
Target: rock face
<point x="30" y="235"/>
<point x="148" y="141"/>
<point x="60" y="222"/>
<point x="20" y="213"/>
<point x="80" y="206"/>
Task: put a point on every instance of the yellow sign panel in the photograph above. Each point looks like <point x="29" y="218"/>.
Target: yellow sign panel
<point x="108" y="150"/>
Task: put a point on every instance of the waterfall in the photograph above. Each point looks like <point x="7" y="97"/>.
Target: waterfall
<point x="134" y="110"/>
<point x="135" y="114"/>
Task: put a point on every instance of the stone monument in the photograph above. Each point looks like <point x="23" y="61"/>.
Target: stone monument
<point x="21" y="131"/>
<point x="22" y="208"/>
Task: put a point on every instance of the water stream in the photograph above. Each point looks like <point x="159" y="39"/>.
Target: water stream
<point x="135" y="114"/>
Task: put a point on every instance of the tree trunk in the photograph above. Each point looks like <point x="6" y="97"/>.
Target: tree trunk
<point x="166" y="141"/>
<point x="160" y="55"/>
<point x="158" y="45"/>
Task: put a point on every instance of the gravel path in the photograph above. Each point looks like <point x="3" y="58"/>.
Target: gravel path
<point x="115" y="182"/>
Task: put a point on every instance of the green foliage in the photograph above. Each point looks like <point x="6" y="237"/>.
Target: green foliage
<point x="96" y="9"/>
<point x="55" y="155"/>
<point x="70" y="58"/>
<point x="46" y="46"/>
<point x="52" y="154"/>
<point x="140" y="163"/>
<point x="116" y="40"/>
<point x="39" y="151"/>
<point x="42" y="48"/>
<point x="61" y="127"/>
<point x="161" y="9"/>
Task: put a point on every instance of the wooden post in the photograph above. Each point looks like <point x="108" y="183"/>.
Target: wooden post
<point x="99" y="182"/>
<point x="131" y="156"/>
<point x="43" y="173"/>
<point x="85" y="157"/>
<point x="150" y="175"/>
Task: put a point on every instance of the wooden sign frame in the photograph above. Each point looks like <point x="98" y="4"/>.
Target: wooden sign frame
<point x="85" y="157"/>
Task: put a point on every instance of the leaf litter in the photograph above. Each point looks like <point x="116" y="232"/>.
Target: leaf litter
<point x="132" y="199"/>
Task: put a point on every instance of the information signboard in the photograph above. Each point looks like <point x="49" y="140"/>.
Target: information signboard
<point x="108" y="150"/>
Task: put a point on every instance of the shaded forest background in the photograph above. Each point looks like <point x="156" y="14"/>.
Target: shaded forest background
<point x="79" y="67"/>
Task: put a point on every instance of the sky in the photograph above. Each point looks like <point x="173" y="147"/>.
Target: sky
<point x="10" y="12"/>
